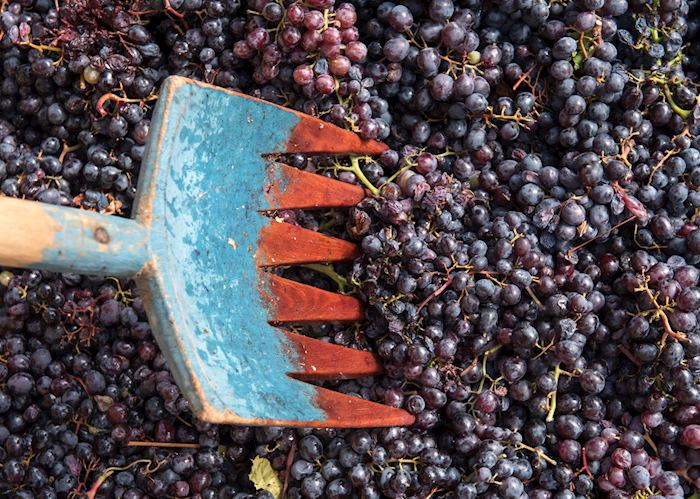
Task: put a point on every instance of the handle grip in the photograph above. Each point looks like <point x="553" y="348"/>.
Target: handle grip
<point x="61" y="239"/>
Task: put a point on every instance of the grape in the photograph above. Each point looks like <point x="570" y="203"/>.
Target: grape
<point x="690" y="436"/>
<point x="325" y="84"/>
<point x="528" y="269"/>
<point x="313" y="485"/>
<point x="400" y="18"/>
<point x="441" y="88"/>
<point x="396" y="49"/>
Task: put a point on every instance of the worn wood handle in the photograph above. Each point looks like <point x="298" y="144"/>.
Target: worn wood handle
<point x="56" y="238"/>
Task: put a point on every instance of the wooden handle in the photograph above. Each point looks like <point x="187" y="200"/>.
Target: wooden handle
<point x="60" y="239"/>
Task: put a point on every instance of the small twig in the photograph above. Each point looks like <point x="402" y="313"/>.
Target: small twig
<point x="668" y="154"/>
<point x="435" y="293"/>
<point x="583" y="45"/>
<point x="90" y="494"/>
<point x="534" y="297"/>
<point x="585" y="464"/>
<point x="433" y="491"/>
<point x="40" y="47"/>
<point x="109" y="96"/>
<point x="683" y="473"/>
<point x="614" y="227"/>
<point x="81" y="383"/>
<point x="661" y="162"/>
<point x="523" y="77"/>
<point x="288" y="466"/>
<point x="541" y="454"/>
<point x="484" y="369"/>
<point x="661" y="314"/>
<point x="169" y="8"/>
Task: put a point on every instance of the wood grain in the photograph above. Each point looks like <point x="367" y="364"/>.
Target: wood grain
<point x="320" y="360"/>
<point x="290" y="188"/>
<point x="290" y="301"/>
<point x="315" y="136"/>
<point x="281" y="243"/>
<point x="63" y="239"/>
<point x="346" y="411"/>
<point x="27" y="231"/>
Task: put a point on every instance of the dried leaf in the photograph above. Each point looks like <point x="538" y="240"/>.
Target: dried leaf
<point x="103" y="402"/>
<point x="264" y="477"/>
<point x="114" y="206"/>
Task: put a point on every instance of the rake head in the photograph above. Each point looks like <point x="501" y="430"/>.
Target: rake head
<point x="212" y="303"/>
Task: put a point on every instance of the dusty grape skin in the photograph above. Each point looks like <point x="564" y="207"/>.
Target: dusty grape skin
<point x="546" y="198"/>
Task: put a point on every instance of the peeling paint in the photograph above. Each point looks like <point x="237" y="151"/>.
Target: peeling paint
<point x="62" y="239"/>
<point x="229" y="359"/>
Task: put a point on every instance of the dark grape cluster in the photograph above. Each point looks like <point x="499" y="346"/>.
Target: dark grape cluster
<point x="531" y="245"/>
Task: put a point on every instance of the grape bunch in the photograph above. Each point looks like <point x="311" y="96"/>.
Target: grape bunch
<point x="530" y="246"/>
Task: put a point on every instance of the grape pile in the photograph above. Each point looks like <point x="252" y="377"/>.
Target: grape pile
<point x="531" y="245"/>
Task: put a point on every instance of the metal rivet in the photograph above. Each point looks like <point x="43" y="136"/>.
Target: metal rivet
<point x="101" y="235"/>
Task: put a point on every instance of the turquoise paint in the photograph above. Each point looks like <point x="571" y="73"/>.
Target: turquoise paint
<point x="76" y="249"/>
<point x="209" y="314"/>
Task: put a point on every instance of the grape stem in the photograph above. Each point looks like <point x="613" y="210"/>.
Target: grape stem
<point x="433" y="491"/>
<point x="410" y="163"/>
<point x="534" y="297"/>
<point x="328" y="271"/>
<point x="659" y="312"/>
<point x="435" y="293"/>
<point x="355" y="168"/>
<point x="41" y="47"/>
<point x="521" y="446"/>
<point x="407" y="166"/>
<point x="119" y="100"/>
<point x="81" y="383"/>
<point x="402" y="461"/>
<point x="68" y="149"/>
<point x="90" y="494"/>
<point x="655" y="35"/>
<point x="169" y="8"/>
<point x="585" y="464"/>
<point x="523" y="77"/>
<point x="667" y="155"/>
<point x="573" y="250"/>
<point x="683" y="113"/>
<point x="552" y="396"/>
<point x="484" y="372"/>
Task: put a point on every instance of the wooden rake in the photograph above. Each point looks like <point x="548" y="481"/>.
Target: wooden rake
<point x="198" y="246"/>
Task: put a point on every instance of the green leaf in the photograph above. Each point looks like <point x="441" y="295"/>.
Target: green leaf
<point x="696" y="495"/>
<point x="577" y="60"/>
<point x="264" y="477"/>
